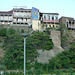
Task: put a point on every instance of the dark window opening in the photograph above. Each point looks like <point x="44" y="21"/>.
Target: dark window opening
<point x="52" y="18"/>
<point x="26" y="23"/>
<point x="46" y="26"/>
<point x="22" y="23"/>
<point x="17" y="19"/>
<point x="18" y="23"/>
<point x="67" y="24"/>
<point x="22" y="19"/>
<point x="44" y="17"/>
<point x="50" y="26"/>
<point x="14" y="23"/>
<point x="26" y="19"/>
<point x="53" y="26"/>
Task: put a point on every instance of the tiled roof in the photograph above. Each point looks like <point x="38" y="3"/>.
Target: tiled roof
<point x="51" y="13"/>
<point x="67" y="17"/>
<point x="21" y="9"/>
<point x="7" y="11"/>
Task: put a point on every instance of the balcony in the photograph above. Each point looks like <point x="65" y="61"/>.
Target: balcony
<point x="5" y="19"/>
<point x="22" y="21"/>
<point x="47" y="20"/>
<point x="22" y="16"/>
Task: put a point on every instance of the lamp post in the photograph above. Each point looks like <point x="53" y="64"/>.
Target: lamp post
<point x="25" y="35"/>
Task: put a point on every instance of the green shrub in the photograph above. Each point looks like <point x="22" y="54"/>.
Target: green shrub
<point x="58" y="72"/>
<point x="0" y="40"/>
<point x="29" y="72"/>
<point x="22" y="30"/>
<point x="3" y="31"/>
<point x="64" y="70"/>
<point x="38" y="71"/>
<point x="71" y="71"/>
<point x="40" y="40"/>
<point x="11" y="31"/>
<point x="11" y="73"/>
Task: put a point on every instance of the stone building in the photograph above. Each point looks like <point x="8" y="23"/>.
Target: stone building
<point x="20" y="18"/>
<point x="69" y="22"/>
<point x="49" y="20"/>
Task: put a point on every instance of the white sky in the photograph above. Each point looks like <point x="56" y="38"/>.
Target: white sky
<point x="63" y="7"/>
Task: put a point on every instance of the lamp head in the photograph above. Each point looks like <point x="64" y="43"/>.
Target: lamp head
<point x="24" y="34"/>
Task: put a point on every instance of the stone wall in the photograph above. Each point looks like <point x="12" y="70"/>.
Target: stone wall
<point x="17" y="27"/>
<point x="56" y="38"/>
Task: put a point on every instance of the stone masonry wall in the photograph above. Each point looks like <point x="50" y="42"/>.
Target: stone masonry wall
<point x="56" y="38"/>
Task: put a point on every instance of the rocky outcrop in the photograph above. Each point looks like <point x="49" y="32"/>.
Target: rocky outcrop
<point x="45" y="55"/>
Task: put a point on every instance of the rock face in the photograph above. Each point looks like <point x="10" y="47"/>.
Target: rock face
<point x="44" y="56"/>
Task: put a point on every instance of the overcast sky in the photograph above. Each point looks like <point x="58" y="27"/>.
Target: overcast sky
<point x="63" y="7"/>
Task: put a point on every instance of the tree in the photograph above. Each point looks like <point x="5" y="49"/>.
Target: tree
<point x="72" y="47"/>
<point x="13" y="58"/>
<point x="10" y="31"/>
<point x="3" y="31"/>
<point x="40" y="40"/>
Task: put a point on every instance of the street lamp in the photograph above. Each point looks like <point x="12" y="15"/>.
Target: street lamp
<point x="25" y="35"/>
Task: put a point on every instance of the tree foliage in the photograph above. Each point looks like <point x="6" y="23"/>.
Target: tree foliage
<point x="40" y="40"/>
<point x="37" y="40"/>
<point x="10" y="31"/>
<point x="13" y="58"/>
<point x="14" y="51"/>
<point x="3" y="31"/>
<point x="14" y="48"/>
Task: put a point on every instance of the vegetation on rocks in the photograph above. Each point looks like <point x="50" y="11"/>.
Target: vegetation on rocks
<point x="14" y="48"/>
<point x="66" y="37"/>
<point x="14" y="51"/>
<point x="64" y="60"/>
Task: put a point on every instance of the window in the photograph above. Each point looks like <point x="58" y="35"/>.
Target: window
<point x="56" y="17"/>
<point x="57" y="26"/>
<point x="26" y="19"/>
<point x="17" y="19"/>
<point x="53" y="26"/>
<point x="52" y="17"/>
<point x="50" y="26"/>
<point x="67" y="24"/>
<point x="22" y="19"/>
<point x="46" y="26"/>
<point x="44" y="16"/>
<point x="42" y="26"/>
<point x="49" y="17"/>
